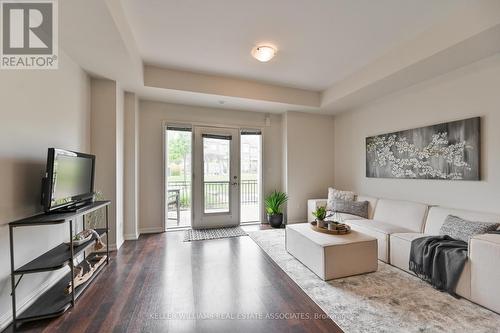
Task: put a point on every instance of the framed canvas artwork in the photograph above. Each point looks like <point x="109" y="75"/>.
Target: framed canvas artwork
<point x="448" y="151"/>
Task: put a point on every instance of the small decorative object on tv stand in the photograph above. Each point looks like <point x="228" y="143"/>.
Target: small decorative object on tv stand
<point x="60" y="297"/>
<point x="86" y="271"/>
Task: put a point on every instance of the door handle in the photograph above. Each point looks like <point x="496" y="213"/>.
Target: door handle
<point x="235" y="183"/>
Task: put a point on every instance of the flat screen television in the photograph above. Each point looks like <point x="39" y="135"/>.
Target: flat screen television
<point x="69" y="181"/>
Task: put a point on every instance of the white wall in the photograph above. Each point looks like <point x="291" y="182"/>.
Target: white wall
<point x="160" y="77"/>
<point x="131" y="180"/>
<point x="308" y="161"/>
<point x="284" y="159"/>
<point x="151" y="117"/>
<point x="107" y="133"/>
<point x="467" y="92"/>
<point x="120" y="165"/>
<point x="39" y="109"/>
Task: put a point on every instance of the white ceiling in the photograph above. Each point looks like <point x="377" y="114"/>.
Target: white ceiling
<point x="319" y="41"/>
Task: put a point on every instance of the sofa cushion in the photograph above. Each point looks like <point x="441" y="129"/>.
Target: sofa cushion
<point x="379" y="226"/>
<point x="358" y="208"/>
<point x="346" y="217"/>
<point x="372" y="204"/>
<point x="334" y="194"/>
<point x="408" y="236"/>
<point x="463" y="230"/>
<point x="400" y="245"/>
<point x="406" y="214"/>
<point x="400" y="248"/>
<point x="485" y="271"/>
<point x="437" y="216"/>
<point x="379" y="230"/>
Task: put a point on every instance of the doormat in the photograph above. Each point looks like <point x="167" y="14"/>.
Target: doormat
<point x="204" y="234"/>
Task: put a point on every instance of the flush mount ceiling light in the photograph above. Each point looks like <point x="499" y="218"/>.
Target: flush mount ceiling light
<point x="263" y="53"/>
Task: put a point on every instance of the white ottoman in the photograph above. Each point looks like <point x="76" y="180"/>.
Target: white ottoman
<point x="332" y="256"/>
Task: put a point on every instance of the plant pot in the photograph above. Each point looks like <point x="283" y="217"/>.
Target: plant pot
<point x="275" y="220"/>
<point x="321" y="223"/>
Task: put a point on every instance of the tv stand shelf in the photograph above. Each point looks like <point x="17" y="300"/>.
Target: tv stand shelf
<point x="56" y="258"/>
<point x="58" y="218"/>
<point x="55" y="301"/>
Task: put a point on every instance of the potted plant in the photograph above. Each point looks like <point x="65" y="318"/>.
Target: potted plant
<point x="320" y="214"/>
<point x="273" y="203"/>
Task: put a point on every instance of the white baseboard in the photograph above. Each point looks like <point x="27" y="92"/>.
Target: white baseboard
<point x="112" y="247"/>
<point x="6" y="318"/>
<point x="120" y="244"/>
<point x="131" y="236"/>
<point x="151" y="230"/>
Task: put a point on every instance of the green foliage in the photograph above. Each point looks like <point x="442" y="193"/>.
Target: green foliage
<point x="178" y="148"/>
<point x="185" y="202"/>
<point x="320" y="213"/>
<point x="274" y="201"/>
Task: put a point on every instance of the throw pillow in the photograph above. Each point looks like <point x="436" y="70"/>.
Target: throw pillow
<point x="359" y="208"/>
<point x="334" y="194"/>
<point x="462" y="229"/>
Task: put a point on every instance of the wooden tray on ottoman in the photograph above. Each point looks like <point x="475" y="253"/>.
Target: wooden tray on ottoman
<point x="345" y="230"/>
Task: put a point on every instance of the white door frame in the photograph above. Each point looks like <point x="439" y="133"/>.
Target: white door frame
<point x="216" y="219"/>
<point x="181" y="123"/>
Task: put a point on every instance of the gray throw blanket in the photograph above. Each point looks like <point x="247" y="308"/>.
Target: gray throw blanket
<point x="438" y="260"/>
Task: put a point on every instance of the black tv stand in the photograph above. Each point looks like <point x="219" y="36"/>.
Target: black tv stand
<point x="54" y="302"/>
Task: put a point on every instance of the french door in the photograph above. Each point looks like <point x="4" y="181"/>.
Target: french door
<point x="216" y="177"/>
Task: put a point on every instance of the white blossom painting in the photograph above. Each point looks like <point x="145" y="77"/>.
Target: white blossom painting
<point x="448" y="151"/>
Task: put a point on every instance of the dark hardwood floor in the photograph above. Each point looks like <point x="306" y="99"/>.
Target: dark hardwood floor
<point x="162" y="284"/>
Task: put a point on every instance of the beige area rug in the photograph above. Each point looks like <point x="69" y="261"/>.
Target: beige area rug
<point x="389" y="300"/>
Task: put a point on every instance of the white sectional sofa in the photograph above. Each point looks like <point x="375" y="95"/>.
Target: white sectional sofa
<point x="396" y="223"/>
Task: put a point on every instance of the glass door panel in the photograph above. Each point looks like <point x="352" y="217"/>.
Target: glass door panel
<point x="251" y="175"/>
<point x="216" y="174"/>
<point x="178" y="176"/>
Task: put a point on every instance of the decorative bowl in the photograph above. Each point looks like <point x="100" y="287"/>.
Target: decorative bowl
<point x="80" y="241"/>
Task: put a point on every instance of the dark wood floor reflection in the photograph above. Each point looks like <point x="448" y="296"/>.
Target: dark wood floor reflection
<point x="162" y="284"/>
